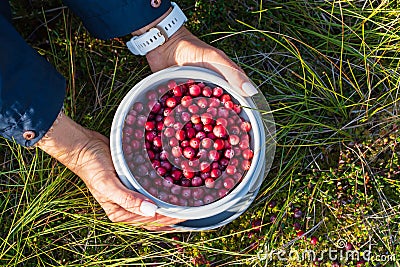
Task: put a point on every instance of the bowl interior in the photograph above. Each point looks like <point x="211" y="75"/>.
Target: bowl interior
<point x="181" y="75"/>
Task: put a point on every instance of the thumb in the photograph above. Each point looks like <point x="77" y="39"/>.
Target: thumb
<point x="134" y="202"/>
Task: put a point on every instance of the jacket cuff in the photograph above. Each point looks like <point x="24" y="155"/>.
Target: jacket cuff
<point x="109" y="18"/>
<point x="31" y="90"/>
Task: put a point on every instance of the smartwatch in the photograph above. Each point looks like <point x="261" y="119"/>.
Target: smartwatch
<point x="156" y="36"/>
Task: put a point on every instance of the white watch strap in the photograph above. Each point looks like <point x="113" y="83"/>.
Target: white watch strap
<point x="153" y="38"/>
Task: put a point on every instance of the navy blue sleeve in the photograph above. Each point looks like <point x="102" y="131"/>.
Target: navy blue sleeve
<point x="107" y="19"/>
<point x="31" y="90"/>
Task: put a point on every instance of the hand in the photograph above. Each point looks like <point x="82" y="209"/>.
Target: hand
<point x="183" y="48"/>
<point x="87" y="154"/>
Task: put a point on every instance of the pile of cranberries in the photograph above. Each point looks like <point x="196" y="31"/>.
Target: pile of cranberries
<point x="187" y="144"/>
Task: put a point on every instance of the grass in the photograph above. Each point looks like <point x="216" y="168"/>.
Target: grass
<point x="329" y="70"/>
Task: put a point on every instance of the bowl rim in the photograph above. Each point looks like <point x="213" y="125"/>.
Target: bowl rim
<point x="197" y="74"/>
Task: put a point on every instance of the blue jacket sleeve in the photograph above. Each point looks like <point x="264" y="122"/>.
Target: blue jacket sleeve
<point x="114" y="18"/>
<point x="31" y="90"/>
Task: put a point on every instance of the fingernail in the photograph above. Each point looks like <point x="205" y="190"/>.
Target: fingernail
<point x="148" y="209"/>
<point x="249" y="88"/>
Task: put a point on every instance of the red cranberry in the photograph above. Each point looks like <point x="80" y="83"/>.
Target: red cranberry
<point x="229" y="153"/>
<point x="169" y="121"/>
<point x="190" y="133"/>
<point x="171" y="84"/>
<point x="202" y="102"/>
<point x="196" y="181"/>
<point x="218" y="91"/>
<point x="246" y="164"/>
<point x="235" y="130"/>
<point x="233" y="140"/>
<point x="138" y="107"/>
<point x="138" y="134"/>
<point x="230" y="170"/>
<point x="214" y="102"/>
<point x="245" y="126"/>
<point x="229" y="183"/>
<point x="185" y="182"/>
<point x="300" y="233"/>
<point x="161" y="171"/>
<point x="222" y="121"/>
<point x="222" y="192"/>
<point x="208" y="199"/>
<point x="130" y="119"/>
<point x="194" y="109"/>
<point x="150" y="136"/>
<point x="272" y="204"/>
<point x="157" y="142"/>
<point x="177" y="91"/>
<point x="198" y="127"/>
<point x="173" y="141"/>
<point x="194" y="90"/>
<point x="186" y="116"/>
<point x="176" y="189"/>
<point x="212" y="111"/>
<point x="219" y="131"/>
<point x="188" y="173"/>
<point x="314" y="240"/>
<point x="247" y="153"/>
<point x="176" y="151"/>
<point x="198" y="193"/>
<point x="194" y="143"/>
<point x="219" y="144"/>
<point x="207" y="91"/>
<point x="224" y="98"/>
<point x="151" y="95"/>
<point x="141" y="120"/>
<point x="176" y="174"/>
<point x="348" y="246"/>
<point x="244" y="144"/>
<point x="213" y="155"/>
<point x="237" y="109"/>
<point x="208" y="128"/>
<point x="215" y="173"/>
<point x="205" y="175"/>
<point x="223" y="112"/>
<point x="180" y="135"/>
<point x="185" y="143"/>
<point x="200" y="135"/>
<point x="224" y="161"/>
<point x="169" y="132"/>
<point x="195" y="118"/>
<point x="229" y="104"/>
<point x="168" y="182"/>
<point x="186" y="193"/>
<point x="154" y="106"/>
<point x="160" y="126"/>
<point x="189" y="152"/>
<point x="209" y="182"/>
<point x="186" y="101"/>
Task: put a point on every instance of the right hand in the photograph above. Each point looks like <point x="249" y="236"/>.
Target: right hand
<point x="87" y="154"/>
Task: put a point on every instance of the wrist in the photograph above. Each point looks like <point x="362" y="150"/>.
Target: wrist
<point x="158" y="32"/>
<point x="151" y="25"/>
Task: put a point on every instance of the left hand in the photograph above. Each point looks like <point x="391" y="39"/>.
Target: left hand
<point x="183" y="48"/>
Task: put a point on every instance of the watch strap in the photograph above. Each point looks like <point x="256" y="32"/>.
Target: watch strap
<point x="156" y="36"/>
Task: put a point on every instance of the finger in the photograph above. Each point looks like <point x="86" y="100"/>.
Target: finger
<point x="235" y="76"/>
<point x="119" y="214"/>
<point x="132" y="201"/>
